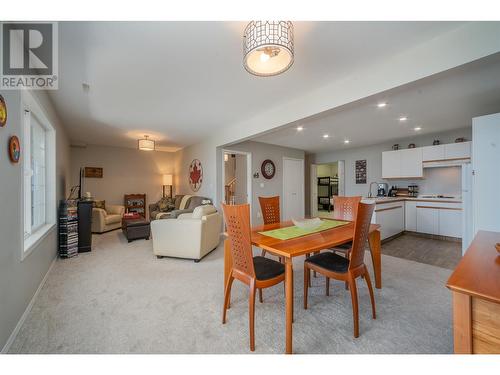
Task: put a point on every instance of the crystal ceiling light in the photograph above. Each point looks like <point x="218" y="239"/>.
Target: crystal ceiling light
<point x="146" y="144"/>
<point x="268" y="47"/>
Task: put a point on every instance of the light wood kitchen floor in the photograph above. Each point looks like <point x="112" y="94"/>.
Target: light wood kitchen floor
<point x="441" y="253"/>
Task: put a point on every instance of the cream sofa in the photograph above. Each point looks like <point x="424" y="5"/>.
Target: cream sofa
<point x="108" y="219"/>
<point x="190" y="235"/>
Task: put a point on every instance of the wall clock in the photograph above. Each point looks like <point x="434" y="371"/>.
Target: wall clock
<point x="3" y="112"/>
<point x="195" y="175"/>
<point x="268" y="169"/>
<point x="14" y="149"/>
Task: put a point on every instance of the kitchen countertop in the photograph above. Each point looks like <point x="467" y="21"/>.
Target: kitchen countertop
<point x="381" y="200"/>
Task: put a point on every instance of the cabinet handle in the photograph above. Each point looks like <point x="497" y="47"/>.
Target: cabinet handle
<point x="441" y="208"/>
<point x="387" y="209"/>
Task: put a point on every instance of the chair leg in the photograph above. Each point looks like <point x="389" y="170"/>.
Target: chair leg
<point x="346" y="285"/>
<point x="370" y="289"/>
<point x="251" y="310"/>
<point x="314" y="272"/>
<point x="309" y="272"/>
<point x="354" y="298"/>
<point x="227" y="296"/>
<point x="263" y="253"/>
<point x="307" y="277"/>
<point x="327" y="286"/>
<point x="260" y="296"/>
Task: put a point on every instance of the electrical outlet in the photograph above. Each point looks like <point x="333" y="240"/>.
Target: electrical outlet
<point x="262" y="185"/>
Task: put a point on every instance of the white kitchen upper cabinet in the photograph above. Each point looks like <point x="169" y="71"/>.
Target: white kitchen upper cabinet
<point x="431" y="153"/>
<point x="460" y="150"/>
<point x="411" y="216"/>
<point x="402" y="163"/>
<point x="427" y="220"/>
<point x="411" y="163"/>
<point x="391" y="165"/>
<point x="450" y="223"/>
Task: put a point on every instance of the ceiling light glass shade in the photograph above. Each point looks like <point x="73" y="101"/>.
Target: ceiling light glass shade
<point x="146" y="144"/>
<point x="268" y="47"/>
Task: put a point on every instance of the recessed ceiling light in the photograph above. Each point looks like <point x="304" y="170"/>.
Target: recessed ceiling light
<point x="403" y="118"/>
<point x="417" y="128"/>
<point x="382" y="104"/>
<point x="346" y="141"/>
<point x="325" y="135"/>
<point x="300" y="128"/>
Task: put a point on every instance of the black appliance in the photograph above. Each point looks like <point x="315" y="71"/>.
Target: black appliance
<point x="84" y="226"/>
<point x="382" y="190"/>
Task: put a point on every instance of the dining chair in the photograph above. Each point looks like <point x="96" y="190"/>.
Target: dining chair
<point x="345" y="208"/>
<point x="270" y="207"/>
<point x="334" y="266"/>
<point x="257" y="272"/>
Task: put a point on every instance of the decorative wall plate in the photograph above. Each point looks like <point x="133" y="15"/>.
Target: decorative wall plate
<point x="3" y="112"/>
<point x="14" y="149"/>
<point x="268" y="169"/>
<point x="195" y="175"/>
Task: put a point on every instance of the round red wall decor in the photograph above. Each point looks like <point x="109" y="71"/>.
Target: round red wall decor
<point x="14" y="149"/>
<point x="3" y="112"/>
<point x="195" y="175"/>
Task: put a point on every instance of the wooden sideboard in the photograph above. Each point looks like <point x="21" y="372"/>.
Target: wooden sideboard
<point x="475" y="286"/>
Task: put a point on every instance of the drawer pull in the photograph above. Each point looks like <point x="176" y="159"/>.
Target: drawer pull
<point x="387" y="209"/>
<point x="441" y="208"/>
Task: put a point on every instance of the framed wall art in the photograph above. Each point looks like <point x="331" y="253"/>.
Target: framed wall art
<point x="360" y="171"/>
<point x="93" y="172"/>
<point x="195" y="175"/>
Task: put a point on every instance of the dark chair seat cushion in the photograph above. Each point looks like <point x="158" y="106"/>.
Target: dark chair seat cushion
<point x="266" y="268"/>
<point x="330" y="261"/>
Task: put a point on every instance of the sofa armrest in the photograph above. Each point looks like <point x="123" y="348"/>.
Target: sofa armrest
<point x="115" y="209"/>
<point x="175" y="213"/>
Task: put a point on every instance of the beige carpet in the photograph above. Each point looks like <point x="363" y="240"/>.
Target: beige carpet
<point x="121" y="299"/>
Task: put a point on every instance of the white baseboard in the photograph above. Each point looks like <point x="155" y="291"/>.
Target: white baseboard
<point x="20" y="323"/>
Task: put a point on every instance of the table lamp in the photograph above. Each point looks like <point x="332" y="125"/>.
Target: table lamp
<point x="167" y="181"/>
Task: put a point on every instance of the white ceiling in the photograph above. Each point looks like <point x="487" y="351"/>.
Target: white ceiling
<point x="443" y="102"/>
<point x="181" y="81"/>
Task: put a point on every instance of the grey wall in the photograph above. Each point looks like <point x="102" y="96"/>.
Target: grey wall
<point x="19" y="280"/>
<point x="373" y="156"/>
<point x="260" y="152"/>
<point x="125" y="171"/>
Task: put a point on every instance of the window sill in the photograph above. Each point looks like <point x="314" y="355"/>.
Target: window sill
<point x="35" y="238"/>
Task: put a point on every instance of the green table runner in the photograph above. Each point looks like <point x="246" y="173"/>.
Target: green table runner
<point x="294" y="231"/>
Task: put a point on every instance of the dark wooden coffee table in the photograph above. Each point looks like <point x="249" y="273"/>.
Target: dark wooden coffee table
<point x="135" y="228"/>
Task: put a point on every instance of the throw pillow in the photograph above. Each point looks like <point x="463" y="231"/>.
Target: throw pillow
<point x="201" y="211"/>
<point x="99" y="204"/>
<point x="166" y="204"/>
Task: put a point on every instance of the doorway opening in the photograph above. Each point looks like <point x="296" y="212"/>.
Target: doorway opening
<point x="327" y="181"/>
<point x="236" y="177"/>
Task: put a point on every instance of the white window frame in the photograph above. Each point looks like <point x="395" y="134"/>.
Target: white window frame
<point x="31" y="238"/>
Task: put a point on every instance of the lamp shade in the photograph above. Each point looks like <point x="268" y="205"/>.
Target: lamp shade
<point x="146" y="144"/>
<point x="167" y="180"/>
<point x="268" y="47"/>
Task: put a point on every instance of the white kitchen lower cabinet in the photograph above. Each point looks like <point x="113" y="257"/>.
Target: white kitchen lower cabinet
<point x="411" y="216"/>
<point x="441" y="219"/>
<point x="450" y="223"/>
<point x="427" y="220"/>
<point x="391" y="218"/>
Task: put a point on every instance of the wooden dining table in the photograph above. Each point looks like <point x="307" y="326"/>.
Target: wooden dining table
<point x="308" y="244"/>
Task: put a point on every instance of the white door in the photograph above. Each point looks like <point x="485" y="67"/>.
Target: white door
<point x="411" y="162"/>
<point x="411" y="216"/>
<point x="430" y="153"/>
<point x="486" y="172"/>
<point x="314" y="190"/>
<point x="457" y="150"/>
<point x="391" y="165"/>
<point x="293" y="189"/>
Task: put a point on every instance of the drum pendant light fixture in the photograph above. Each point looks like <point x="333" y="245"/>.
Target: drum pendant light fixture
<point x="268" y="47"/>
<point x="146" y="144"/>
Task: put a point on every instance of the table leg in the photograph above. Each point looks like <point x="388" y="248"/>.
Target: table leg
<point x="228" y="261"/>
<point x="289" y="303"/>
<point x="375" y="250"/>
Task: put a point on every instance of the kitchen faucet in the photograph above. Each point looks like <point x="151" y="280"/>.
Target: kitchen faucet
<point x="370" y="189"/>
